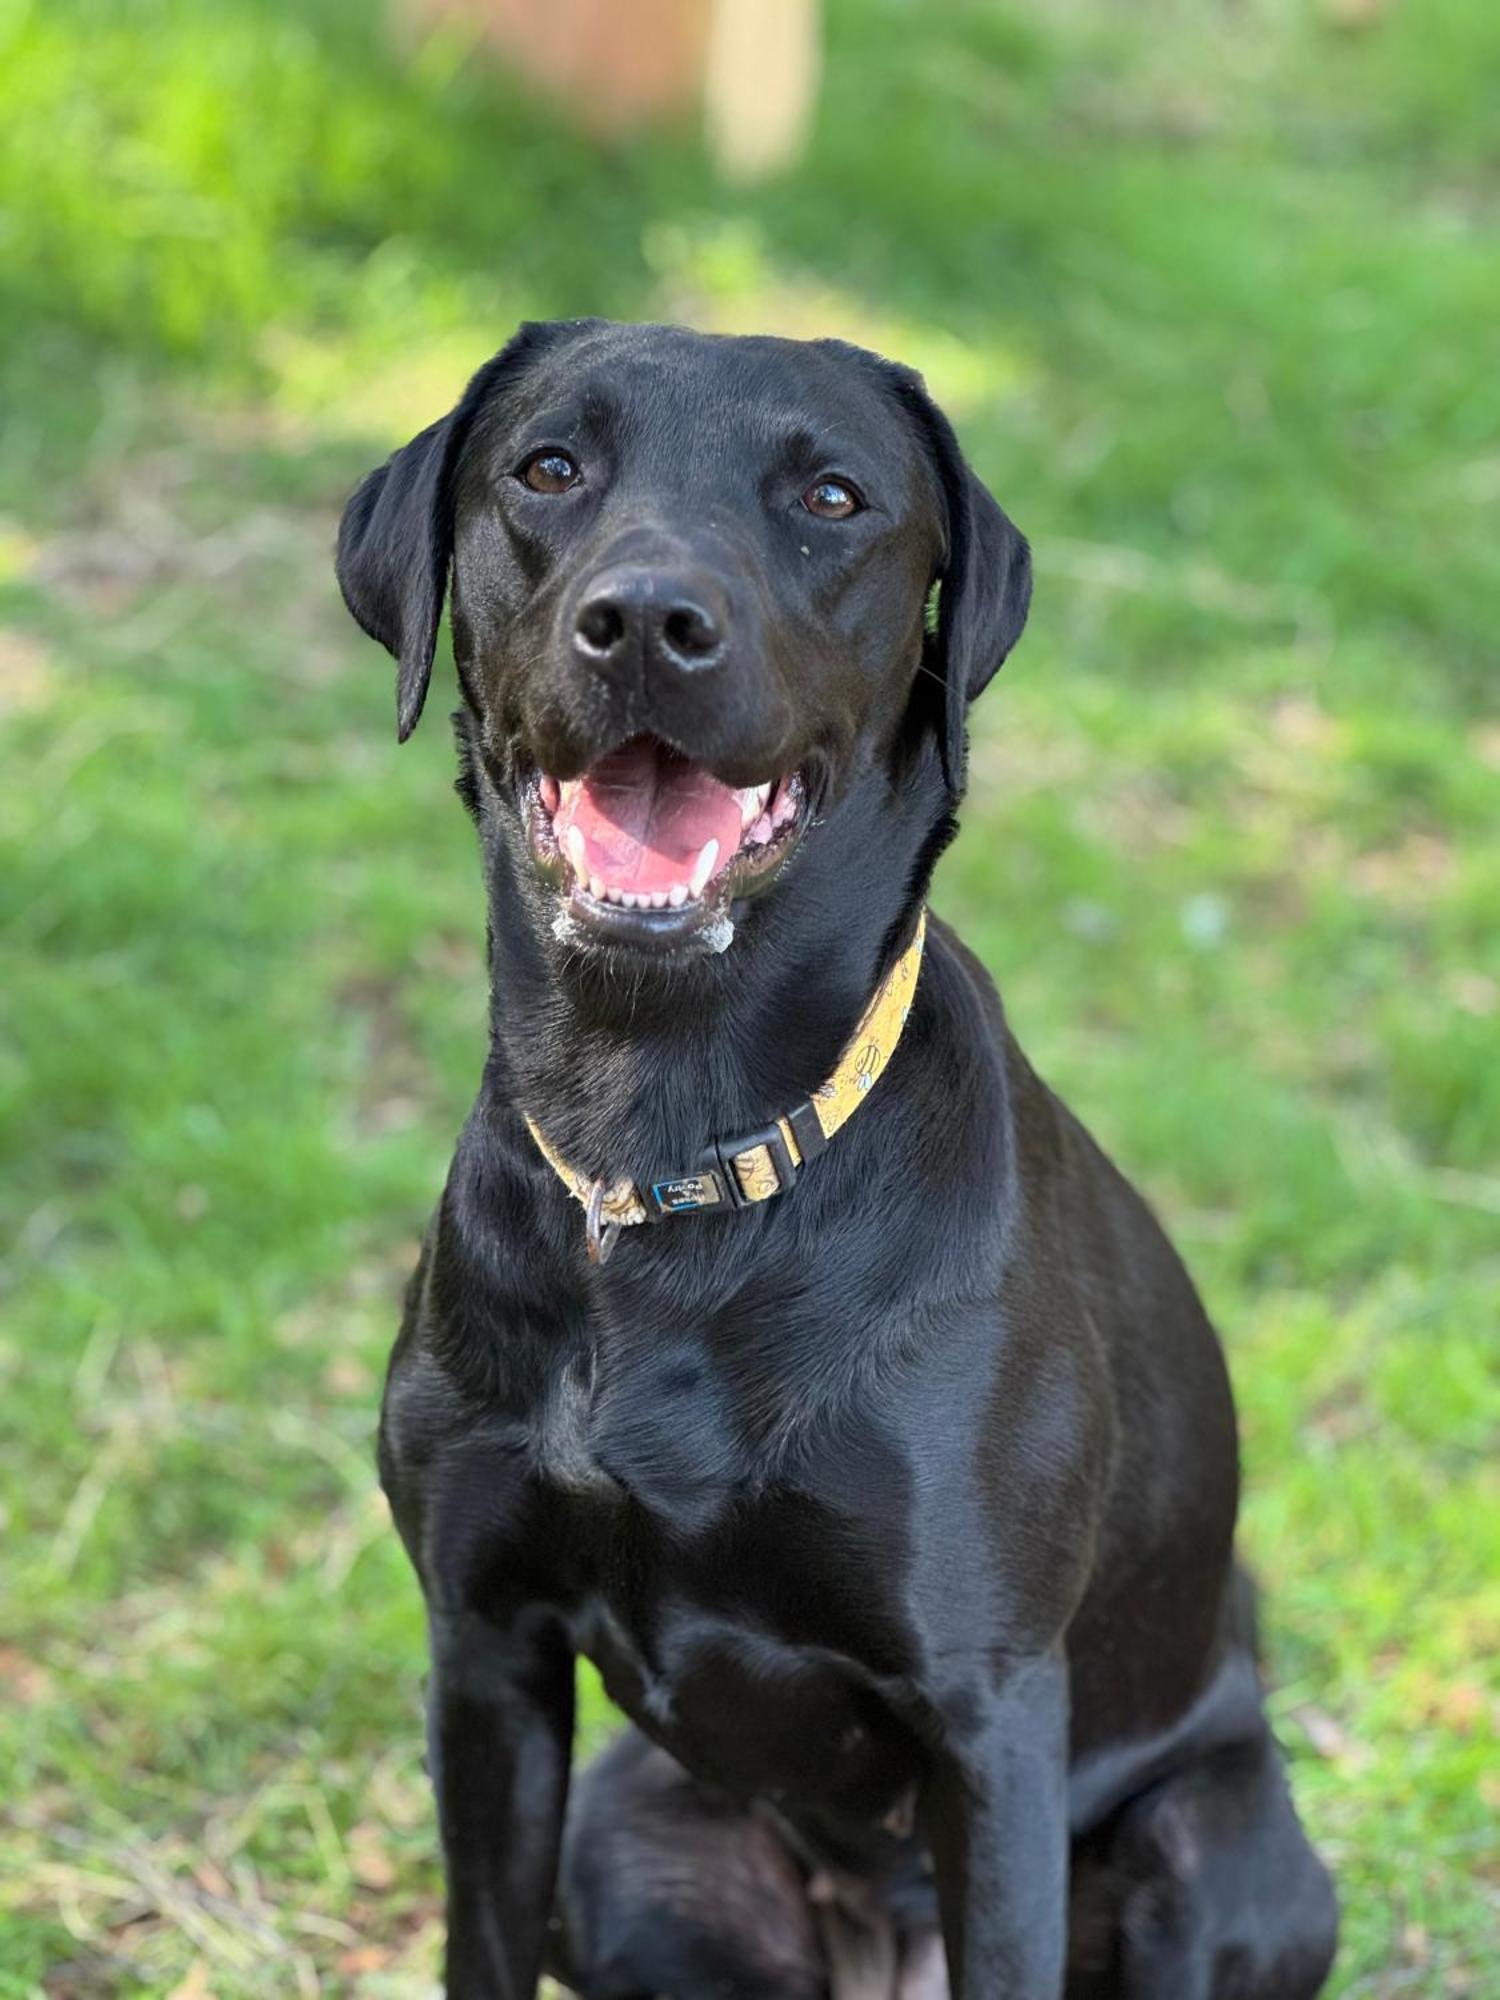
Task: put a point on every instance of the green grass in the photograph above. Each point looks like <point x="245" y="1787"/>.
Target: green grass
<point x="1213" y="294"/>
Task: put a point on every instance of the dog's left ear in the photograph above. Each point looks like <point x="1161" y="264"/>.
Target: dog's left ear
<point x="396" y="536"/>
<point x="983" y="586"/>
<point x="984" y="594"/>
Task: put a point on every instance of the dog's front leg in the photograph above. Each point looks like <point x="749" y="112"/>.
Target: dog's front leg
<point x="500" y="1736"/>
<point x="995" y="1811"/>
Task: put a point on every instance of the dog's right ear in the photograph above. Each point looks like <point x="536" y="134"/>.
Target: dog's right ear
<point x="395" y="545"/>
<point x="396" y="536"/>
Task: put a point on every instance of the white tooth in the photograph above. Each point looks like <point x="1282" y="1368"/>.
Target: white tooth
<point x="677" y="895"/>
<point x="578" y="852"/>
<point x="753" y="803"/>
<point x="612" y="894"/>
<point x="658" y="899"/>
<point x="596" y="888"/>
<point x="761" y="831"/>
<point x="784" y="809"/>
<point x="627" y="898"/>
<point x="549" y="793"/>
<point x="704" y="867"/>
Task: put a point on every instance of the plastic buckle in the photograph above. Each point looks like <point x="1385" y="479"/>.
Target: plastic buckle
<point x="724" y="1152"/>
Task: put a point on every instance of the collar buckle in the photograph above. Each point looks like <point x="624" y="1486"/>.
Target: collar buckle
<point x="725" y="1152"/>
<point x="717" y="1182"/>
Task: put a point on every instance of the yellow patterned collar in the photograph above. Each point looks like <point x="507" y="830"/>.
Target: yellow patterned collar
<point x="736" y="1172"/>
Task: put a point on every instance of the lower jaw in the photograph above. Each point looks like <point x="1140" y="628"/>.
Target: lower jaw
<point x="707" y="924"/>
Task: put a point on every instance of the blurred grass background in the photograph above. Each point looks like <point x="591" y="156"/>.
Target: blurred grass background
<point x="1213" y="293"/>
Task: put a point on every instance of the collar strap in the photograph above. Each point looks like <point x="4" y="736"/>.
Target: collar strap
<point x="738" y="1172"/>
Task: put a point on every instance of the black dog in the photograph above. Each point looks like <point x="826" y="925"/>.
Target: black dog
<point x="890" y="1477"/>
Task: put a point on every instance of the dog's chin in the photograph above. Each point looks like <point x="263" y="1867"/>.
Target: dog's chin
<point x="649" y="851"/>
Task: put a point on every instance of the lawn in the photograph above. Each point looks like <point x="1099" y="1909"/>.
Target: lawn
<point x="1213" y="294"/>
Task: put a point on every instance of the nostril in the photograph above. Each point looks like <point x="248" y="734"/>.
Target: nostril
<point x="690" y="633"/>
<point x="601" y="625"/>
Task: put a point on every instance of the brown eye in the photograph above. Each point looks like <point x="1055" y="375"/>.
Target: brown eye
<point x="549" y="472"/>
<point x="831" y="499"/>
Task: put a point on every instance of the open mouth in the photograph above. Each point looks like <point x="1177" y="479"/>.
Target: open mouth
<point x="649" y="844"/>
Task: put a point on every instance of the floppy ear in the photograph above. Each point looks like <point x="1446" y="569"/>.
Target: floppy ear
<point x="396" y="536"/>
<point x="984" y="585"/>
<point x="984" y="595"/>
<point x="395" y="545"/>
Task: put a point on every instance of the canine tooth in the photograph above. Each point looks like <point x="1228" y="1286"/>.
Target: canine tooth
<point x="550" y="793"/>
<point x="704" y="867"/>
<point x="752" y="803"/>
<point x="596" y="888"/>
<point x="578" y="852"/>
<point x="761" y="831"/>
<point x="784" y="809"/>
<point x="677" y="895"/>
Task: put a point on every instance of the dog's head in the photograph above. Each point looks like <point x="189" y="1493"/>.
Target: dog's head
<point x="693" y="583"/>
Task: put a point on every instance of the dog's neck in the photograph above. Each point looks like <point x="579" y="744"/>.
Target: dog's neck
<point x="633" y="1076"/>
<point x="631" y="1071"/>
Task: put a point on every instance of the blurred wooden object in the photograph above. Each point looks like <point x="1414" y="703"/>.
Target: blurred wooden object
<point x="760" y="86"/>
<point x="618" y="65"/>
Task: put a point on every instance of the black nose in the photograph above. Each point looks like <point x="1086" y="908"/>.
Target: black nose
<point x="631" y="620"/>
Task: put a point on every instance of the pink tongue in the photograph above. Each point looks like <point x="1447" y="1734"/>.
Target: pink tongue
<point x="646" y="815"/>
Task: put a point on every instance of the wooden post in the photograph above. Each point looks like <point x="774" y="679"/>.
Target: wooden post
<point x="761" y="84"/>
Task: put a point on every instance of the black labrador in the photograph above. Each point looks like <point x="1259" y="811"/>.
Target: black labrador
<point x="881" y="1456"/>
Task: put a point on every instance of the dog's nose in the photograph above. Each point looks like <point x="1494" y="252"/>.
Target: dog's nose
<point x="632" y="620"/>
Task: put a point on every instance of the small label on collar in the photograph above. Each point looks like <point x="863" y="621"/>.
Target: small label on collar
<point x="686" y="1192"/>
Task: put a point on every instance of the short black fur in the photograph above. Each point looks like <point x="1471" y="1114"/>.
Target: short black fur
<point x="898" y="1511"/>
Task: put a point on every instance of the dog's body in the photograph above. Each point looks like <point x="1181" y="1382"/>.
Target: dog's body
<point x="897" y="1511"/>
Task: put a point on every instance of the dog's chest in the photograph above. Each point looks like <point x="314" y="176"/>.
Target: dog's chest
<point x="661" y="1432"/>
<point x="743" y="1608"/>
<point x="752" y="1712"/>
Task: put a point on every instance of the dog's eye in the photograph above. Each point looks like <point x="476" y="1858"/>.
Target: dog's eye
<point x="833" y="499"/>
<point x="549" y="472"/>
